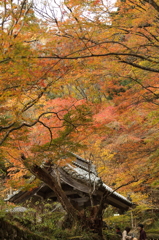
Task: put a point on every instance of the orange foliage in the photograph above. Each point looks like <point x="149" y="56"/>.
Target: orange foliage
<point x="87" y="80"/>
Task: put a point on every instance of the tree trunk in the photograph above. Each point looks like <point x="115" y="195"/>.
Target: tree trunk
<point x="51" y="181"/>
<point x="91" y="223"/>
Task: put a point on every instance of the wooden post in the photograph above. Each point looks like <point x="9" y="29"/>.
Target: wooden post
<point x="132" y="220"/>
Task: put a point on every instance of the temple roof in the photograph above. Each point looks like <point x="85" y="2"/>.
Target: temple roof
<point x="78" y="179"/>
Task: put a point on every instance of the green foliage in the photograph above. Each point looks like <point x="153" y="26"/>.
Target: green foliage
<point x="155" y="183"/>
<point x="2" y="208"/>
<point x="120" y="221"/>
<point x="3" y="169"/>
<point x="141" y="213"/>
<point x="125" y="82"/>
<point x="111" y="235"/>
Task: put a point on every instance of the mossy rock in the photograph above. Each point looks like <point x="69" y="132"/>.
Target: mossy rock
<point x="111" y="236"/>
<point x="9" y="231"/>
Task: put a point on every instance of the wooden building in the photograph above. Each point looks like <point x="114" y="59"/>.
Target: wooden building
<point x="80" y="181"/>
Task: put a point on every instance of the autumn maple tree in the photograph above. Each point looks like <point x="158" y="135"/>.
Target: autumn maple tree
<point x="80" y="73"/>
<point x="116" y="50"/>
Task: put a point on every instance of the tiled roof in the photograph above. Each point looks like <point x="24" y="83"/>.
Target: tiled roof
<point x="83" y="172"/>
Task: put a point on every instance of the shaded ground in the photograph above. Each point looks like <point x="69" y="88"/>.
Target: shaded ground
<point x="13" y="228"/>
<point x="9" y="231"/>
